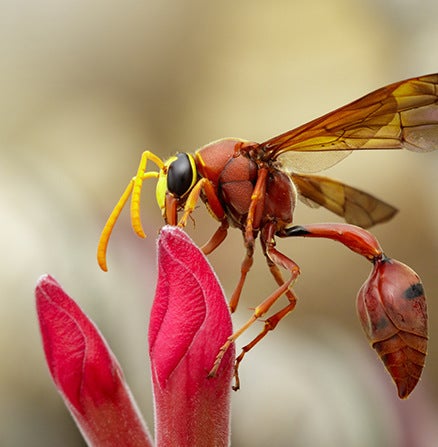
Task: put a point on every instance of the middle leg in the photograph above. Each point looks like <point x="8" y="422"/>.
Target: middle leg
<point x="277" y="259"/>
<point x="274" y="259"/>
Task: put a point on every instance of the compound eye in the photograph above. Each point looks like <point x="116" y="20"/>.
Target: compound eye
<point x="181" y="175"/>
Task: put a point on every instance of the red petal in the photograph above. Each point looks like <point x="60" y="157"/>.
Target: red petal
<point x="86" y="372"/>
<point x="189" y="323"/>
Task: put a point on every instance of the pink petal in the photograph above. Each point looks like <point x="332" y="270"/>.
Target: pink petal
<point x="190" y="321"/>
<point x="86" y="372"/>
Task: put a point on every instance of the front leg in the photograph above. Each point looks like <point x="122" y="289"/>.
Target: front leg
<point x="256" y="207"/>
<point x="211" y="199"/>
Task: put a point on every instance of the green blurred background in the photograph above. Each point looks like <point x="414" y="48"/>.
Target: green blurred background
<point x="86" y="86"/>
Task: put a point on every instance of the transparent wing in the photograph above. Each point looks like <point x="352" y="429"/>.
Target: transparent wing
<point x="357" y="207"/>
<point x="403" y="115"/>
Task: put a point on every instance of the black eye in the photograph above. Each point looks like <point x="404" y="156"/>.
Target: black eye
<point x="180" y="175"/>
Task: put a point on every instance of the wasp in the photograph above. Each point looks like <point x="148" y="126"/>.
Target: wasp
<point x="254" y="187"/>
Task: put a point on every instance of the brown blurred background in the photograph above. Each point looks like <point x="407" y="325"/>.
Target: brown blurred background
<point x="86" y="86"/>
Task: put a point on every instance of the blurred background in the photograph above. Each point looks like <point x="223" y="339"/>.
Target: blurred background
<point x="86" y="86"/>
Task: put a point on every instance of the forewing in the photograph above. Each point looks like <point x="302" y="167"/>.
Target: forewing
<point x="357" y="207"/>
<point x="401" y="115"/>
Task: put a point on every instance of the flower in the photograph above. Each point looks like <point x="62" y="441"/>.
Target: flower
<point x="189" y="323"/>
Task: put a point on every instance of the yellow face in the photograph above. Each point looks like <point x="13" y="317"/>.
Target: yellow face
<point x="177" y="176"/>
<point x="161" y="189"/>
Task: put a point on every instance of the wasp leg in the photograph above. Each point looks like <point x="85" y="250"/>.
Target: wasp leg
<point x="256" y="206"/>
<point x="252" y="226"/>
<point x="278" y="259"/>
<point x="218" y="237"/>
<point x="214" y="207"/>
<point x="274" y="259"/>
<point x="273" y="268"/>
<point x="135" y="206"/>
<point x="244" y="269"/>
<point x="211" y="199"/>
<point x="259" y="311"/>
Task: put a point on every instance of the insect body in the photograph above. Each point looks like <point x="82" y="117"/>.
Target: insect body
<point x="254" y="187"/>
